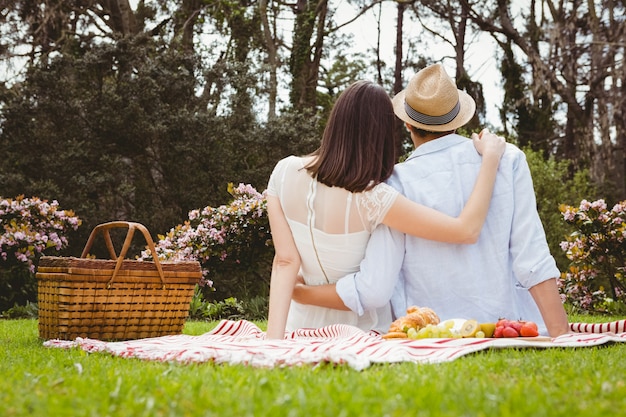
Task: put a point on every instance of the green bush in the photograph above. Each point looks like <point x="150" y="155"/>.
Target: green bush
<point x="555" y="184"/>
<point x="229" y="308"/>
<point x="27" y="311"/>
<point x="18" y="287"/>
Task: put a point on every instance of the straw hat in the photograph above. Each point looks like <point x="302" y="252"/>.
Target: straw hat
<point x="432" y="102"/>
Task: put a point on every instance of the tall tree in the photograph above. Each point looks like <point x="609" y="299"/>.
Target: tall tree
<point x="576" y="52"/>
<point x="268" y="27"/>
<point x="533" y="115"/>
<point x="308" y="41"/>
<point x="398" y="68"/>
<point x="455" y="20"/>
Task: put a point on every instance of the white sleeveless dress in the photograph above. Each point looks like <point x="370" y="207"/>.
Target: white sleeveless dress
<point x="331" y="227"/>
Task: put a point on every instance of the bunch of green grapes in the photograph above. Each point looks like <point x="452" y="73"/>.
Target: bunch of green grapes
<point x="442" y="330"/>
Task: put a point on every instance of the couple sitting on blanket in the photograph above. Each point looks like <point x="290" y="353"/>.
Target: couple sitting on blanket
<point x="454" y="227"/>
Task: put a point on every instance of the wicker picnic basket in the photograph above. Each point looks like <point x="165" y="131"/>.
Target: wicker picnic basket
<point x="117" y="298"/>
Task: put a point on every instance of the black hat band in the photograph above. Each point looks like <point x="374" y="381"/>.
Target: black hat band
<point x="432" y="120"/>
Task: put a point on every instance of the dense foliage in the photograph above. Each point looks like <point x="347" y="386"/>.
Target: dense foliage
<point x="555" y="185"/>
<point x="561" y="66"/>
<point x="114" y="146"/>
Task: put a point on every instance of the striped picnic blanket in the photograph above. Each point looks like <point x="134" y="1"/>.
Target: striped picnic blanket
<point x="242" y="342"/>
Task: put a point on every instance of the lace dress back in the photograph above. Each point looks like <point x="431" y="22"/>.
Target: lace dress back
<point x="331" y="227"/>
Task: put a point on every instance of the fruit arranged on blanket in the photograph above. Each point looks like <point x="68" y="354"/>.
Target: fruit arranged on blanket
<point x="416" y="318"/>
<point x="423" y="322"/>
<point x="444" y="329"/>
<point x="448" y="329"/>
<point x="488" y="329"/>
<point x="515" y="328"/>
<point x="471" y="328"/>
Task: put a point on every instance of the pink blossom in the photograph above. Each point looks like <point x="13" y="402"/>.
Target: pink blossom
<point x="599" y="205"/>
<point x="28" y="234"/>
<point x="597" y="245"/>
<point x="212" y="233"/>
<point x="619" y="208"/>
<point x="585" y="205"/>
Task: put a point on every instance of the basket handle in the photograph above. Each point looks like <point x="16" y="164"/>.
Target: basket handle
<point x="131" y="226"/>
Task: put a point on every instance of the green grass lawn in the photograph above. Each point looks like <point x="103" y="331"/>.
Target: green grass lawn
<point x="38" y="381"/>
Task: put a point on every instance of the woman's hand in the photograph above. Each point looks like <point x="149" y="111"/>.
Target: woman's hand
<point x="489" y="144"/>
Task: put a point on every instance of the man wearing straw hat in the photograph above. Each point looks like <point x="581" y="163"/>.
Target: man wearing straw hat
<point x="508" y="273"/>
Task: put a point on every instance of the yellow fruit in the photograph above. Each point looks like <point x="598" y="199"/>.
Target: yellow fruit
<point x="488" y="328"/>
<point x="469" y="328"/>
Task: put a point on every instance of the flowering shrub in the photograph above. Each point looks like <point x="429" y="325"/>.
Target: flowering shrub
<point x="225" y="240"/>
<point x="597" y="251"/>
<point x="31" y="226"/>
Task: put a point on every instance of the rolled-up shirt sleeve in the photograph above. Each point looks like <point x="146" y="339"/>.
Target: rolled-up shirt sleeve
<point x="373" y="285"/>
<point x="530" y="254"/>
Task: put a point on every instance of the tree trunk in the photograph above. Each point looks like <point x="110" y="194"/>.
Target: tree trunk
<point x="184" y="22"/>
<point x="403" y="139"/>
<point x="379" y="62"/>
<point x="463" y="80"/>
<point x="121" y="17"/>
<point x="307" y="51"/>
<point x="608" y="156"/>
<point x="272" y="59"/>
<point x="398" y="81"/>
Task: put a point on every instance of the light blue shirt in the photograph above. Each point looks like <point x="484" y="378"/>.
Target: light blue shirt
<point x="487" y="280"/>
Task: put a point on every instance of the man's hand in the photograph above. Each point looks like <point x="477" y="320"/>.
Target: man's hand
<point x="300" y="280"/>
<point x="299" y="289"/>
<point x="317" y="295"/>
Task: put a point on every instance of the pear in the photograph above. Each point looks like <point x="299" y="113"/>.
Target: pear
<point x="488" y="328"/>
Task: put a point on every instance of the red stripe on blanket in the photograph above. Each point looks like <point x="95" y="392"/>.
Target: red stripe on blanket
<point x="618" y="326"/>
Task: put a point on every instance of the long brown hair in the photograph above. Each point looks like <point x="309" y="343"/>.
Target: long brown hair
<point x="358" y="146"/>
